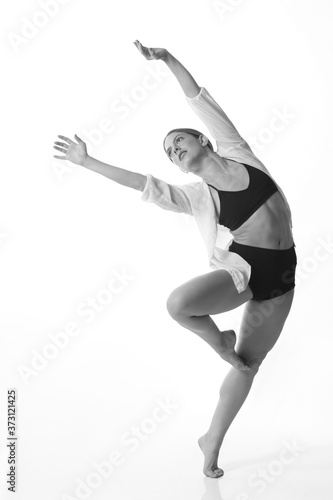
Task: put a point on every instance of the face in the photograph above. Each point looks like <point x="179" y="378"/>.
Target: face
<point x="183" y="149"/>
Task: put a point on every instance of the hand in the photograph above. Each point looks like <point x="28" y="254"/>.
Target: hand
<point x="75" y="153"/>
<point x="149" y="53"/>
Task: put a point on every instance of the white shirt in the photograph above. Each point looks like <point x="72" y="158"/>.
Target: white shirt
<point x="196" y="199"/>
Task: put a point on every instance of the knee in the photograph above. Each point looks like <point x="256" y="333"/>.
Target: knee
<point x="176" y="304"/>
<point x="254" y="364"/>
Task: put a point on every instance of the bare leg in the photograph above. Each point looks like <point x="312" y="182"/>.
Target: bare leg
<point x="233" y="393"/>
<point x="213" y="293"/>
<point x="222" y="342"/>
<point x="253" y="347"/>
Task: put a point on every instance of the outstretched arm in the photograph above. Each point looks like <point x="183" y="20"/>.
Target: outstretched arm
<point x="184" y="77"/>
<point x="127" y="178"/>
<point x="77" y="153"/>
<point x="167" y="196"/>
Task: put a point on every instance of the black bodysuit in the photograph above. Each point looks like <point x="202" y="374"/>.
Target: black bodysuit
<point x="238" y="206"/>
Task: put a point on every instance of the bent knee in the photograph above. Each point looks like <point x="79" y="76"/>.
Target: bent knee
<point x="176" y="304"/>
<point x="254" y="363"/>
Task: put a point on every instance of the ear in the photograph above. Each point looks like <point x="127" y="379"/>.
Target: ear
<point x="203" y="140"/>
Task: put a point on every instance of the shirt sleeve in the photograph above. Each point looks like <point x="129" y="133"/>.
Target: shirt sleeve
<point x="217" y="122"/>
<point x="168" y="196"/>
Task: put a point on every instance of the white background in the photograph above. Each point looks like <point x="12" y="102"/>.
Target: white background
<point x="65" y="230"/>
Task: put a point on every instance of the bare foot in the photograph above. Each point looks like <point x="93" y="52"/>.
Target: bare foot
<point x="228" y="353"/>
<point x="211" y="454"/>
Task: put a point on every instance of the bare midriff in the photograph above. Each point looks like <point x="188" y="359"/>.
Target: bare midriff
<point x="269" y="226"/>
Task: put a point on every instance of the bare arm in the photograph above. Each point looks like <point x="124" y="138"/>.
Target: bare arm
<point x="120" y="175"/>
<point x="184" y="77"/>
<point x="77" y="153"/>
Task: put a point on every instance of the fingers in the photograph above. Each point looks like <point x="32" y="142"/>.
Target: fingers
<point x="66" y="139"/>
<point x="139" y="46"/>
<point x="144" y="50"/>
<point x="63" y="150"/>
<point x="78" y="138"/>
<point x="69" y="140"/>
<point x="64" y="147"/>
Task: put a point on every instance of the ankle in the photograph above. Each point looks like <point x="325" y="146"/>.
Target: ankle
<point x="213" y="440"/>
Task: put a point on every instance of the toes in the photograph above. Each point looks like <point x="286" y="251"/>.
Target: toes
<point x="237" y="362"/>
<point x="229" y="339"/>
<point x="242" y="366"/>
<point x="214" y="472"/>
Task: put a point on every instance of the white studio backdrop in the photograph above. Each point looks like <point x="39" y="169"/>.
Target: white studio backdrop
<point x="102" y="373"/>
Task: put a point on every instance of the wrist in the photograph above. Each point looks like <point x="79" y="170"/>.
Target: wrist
<point x="85" y="161"/>
<point x="167" y="57"/>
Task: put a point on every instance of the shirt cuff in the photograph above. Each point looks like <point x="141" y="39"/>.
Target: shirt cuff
<point x="197" y="96"/>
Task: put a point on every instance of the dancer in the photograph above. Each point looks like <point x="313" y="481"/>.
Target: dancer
<point x="238" y="202"/>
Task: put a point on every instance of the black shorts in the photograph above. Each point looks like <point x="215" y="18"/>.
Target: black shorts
<point x="272" y="271"/>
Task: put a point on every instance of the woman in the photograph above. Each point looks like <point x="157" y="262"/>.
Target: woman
<point x="236" y="196"/>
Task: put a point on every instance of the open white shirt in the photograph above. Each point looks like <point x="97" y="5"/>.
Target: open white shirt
<point x="195" y="198"/>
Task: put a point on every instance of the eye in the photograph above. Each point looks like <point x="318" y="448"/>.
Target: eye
<point x="169" y="154"/>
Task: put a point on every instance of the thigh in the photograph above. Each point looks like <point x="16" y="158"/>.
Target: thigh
<point x="210" y="293"/>
<point x="261" y="326"/>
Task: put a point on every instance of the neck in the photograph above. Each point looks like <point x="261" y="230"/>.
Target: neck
<point x="211" y="167"/>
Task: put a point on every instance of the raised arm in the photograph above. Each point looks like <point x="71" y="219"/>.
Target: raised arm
<point x="184" y="77"/>
<point x="208" y="110"/>
<point x="77" y="153"/>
